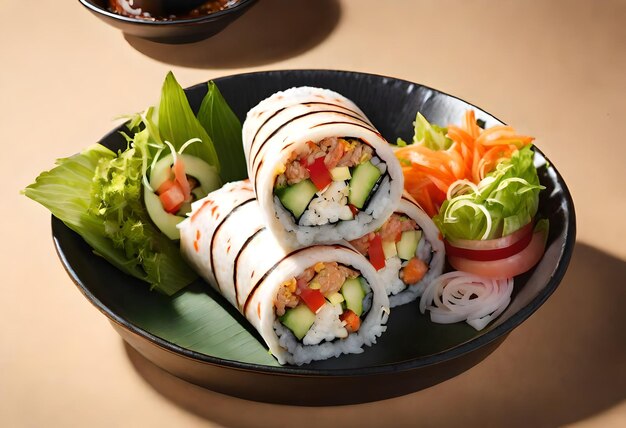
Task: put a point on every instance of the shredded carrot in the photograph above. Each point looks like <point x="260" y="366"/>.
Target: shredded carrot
<point x="473" y="154"/>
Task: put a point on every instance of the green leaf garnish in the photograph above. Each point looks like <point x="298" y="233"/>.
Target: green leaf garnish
<point x="504" y="201"/>
<point x="224" y="128"/>
<point x="177" y="123"/>
<point x="431" y="136"/>
<point x="97" y="193"/>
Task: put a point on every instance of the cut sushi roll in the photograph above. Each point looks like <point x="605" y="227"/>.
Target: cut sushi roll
<point x="407" y="251"/>
<point x="320" y="170"/>
<point x="308" y="303"/>
<point x="327" y="301"/>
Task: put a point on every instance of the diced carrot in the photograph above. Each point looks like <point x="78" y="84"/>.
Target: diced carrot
<point x="414" y="271"/>
<point x="353" y="322"/>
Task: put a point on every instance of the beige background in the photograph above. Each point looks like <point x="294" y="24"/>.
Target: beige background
<point x="554" y="69"/>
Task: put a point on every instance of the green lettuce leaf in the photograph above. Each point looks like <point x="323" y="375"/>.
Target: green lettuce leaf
<point x="428" y="135"/>
<point x="224" y="128"/>
<point x="178" y="124"/>
<point x="431" y="136"/>
<point x="98" y="194"/>
<point x="503" y="202"/>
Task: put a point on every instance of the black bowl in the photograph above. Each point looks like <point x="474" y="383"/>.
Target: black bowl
<point x="413" y="354"/>
<point x="170" y="31"/>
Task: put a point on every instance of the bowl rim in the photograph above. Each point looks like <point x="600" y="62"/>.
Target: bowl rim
<point x="467" y="347"/>
<point x="241" y="4"/>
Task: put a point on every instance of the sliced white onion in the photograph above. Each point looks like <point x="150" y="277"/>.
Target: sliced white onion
<point x="127" y="5"/>
<point x="461" y="296"/>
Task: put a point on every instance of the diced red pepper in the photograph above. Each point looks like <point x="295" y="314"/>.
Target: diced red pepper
<point x="353" y="322"/>
<point x="314" y="299"/>
<point x="167" y="185"/>
<point x="320" y="176"/>
<point x="172" y="199"/>
<point x="375" y="252"/>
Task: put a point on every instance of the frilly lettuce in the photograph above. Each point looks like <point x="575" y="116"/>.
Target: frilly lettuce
<point x="98" y="193"/>
<point x="503" y="202"/>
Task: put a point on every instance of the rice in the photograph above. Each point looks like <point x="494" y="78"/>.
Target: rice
<point x="424" y="250"/>
<point x="390" y="276"/>
<point x="327" y="326"/>
<point x="329" y="206"/>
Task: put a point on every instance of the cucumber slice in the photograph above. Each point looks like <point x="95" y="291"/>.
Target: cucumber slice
<point x="389" y="249"/>
<point x="364" y="178"/>
<point x="206" y="175"/>
<point x="353" y="294"/>
<point x="299" y="320"/>
<point x="297" y="197"/>
<point x="165" y="221"/>
<point x="407" y="246"/>
<point x="208" y="180"/>
<point x="336" y="298"/>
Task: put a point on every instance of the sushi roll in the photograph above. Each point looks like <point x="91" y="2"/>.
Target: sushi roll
<point x="307" y="303"/>
<point x="320" y="169"/>
<point x="407" y="251"/>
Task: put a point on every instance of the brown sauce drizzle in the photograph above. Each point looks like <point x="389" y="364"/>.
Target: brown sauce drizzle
<point x="216" y="231"/>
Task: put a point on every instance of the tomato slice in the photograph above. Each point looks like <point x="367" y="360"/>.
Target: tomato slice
<point x="492" y="244"/>
<point x="320" y="175"/>
<point x="507" y="267"/>
<point x="376" y="253"/>
<point x="492" y="249"/>
<point x="314" y="299"/>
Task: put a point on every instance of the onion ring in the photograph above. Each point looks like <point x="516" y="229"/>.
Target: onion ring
<point x="460" y="296"/>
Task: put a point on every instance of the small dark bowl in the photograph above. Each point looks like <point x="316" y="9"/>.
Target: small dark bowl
<point x="171" y="31"/>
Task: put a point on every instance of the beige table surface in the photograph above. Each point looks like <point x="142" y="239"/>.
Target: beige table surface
<point x="553" y="69"/>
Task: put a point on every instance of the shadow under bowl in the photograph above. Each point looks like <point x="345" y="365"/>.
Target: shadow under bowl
<point x="175" y="31"/>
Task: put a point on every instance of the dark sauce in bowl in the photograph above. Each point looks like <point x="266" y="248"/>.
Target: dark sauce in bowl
<point x="157" y="12"/>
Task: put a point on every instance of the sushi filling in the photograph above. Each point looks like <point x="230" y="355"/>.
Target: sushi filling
<point x="326" y="302"/>
<point x="329" y="181"/>
<point x="398" y="251"/>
